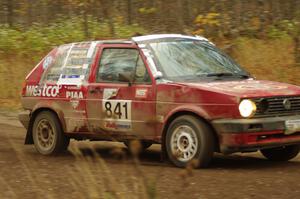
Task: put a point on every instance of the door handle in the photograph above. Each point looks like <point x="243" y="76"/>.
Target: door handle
<point x="96" y="90"/>
<point x="92" y="91"/>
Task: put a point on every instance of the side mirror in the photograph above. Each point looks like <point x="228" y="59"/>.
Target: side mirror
<point x="126" y="77"/>
<point x="158" y="75"/>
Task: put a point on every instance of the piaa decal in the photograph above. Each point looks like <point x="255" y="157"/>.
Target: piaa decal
<point x="74" y="94"/>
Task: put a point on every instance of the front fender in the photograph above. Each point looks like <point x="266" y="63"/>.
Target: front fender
<point x="165" y="116"/>
<point x="188" y="108"/>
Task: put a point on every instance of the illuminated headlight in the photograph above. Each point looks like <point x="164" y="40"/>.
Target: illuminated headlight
<point x="247" y="108"/>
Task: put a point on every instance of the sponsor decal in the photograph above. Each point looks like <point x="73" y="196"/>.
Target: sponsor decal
<point x="109" y="93"/>
<point x="85" y="66"/>
<point x="47" y="62"/>
<point x="117" y="125"/>
<point x="74" y="103"/>
<point x="160" y="118"/>
<point x="74" y="94"/>
<point x="259" y="86"/>
<point x="247" y="85"/>
<point x="92" y="49"/>
<point x="70" y="76"/>
<point x="76" y="87"/>
<point x="141" y="93"/>
<point x="142" y="45"/>
<point x="71" y="80"/>
<point x="42" y="91"/>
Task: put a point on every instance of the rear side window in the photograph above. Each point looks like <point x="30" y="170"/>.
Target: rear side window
<point x="115" y="61"/>
<point x="71" y="64"/>
<point x="52" y="74"/>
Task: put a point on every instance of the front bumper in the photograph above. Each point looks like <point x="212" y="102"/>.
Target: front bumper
<point x="24" y="118"/>
<point x="243" y="135"/>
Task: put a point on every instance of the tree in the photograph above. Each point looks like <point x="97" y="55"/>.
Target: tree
<point x="10" y="12"/>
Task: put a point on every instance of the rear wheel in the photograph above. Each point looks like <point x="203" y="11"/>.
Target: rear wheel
<point x="48" y="136"/>
<point x="284" y="153"/>
<point x="189" y="139"/>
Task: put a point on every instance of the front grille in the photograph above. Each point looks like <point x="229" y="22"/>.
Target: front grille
<point x="270" y="107"/>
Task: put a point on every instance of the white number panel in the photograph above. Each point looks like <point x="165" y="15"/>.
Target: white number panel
<point x="119" y="110"/>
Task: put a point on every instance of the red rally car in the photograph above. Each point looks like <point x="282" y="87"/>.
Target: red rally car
<point x="179" y="91"/>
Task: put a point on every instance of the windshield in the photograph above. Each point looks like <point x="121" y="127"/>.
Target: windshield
<point x="191" y="59"/>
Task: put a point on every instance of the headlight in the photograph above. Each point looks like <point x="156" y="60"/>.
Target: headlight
<point x="247" y="108"/>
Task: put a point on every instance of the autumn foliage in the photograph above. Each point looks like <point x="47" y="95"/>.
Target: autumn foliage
<point x="264" y="36"/>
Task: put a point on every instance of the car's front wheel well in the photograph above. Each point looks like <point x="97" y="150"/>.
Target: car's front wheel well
<point x="33" y="115"/>
<point x="181" y="113"/>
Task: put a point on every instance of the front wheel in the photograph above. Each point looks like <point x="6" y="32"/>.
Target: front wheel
<point x="47" y="133"/>
<point x="189" y="139"/>
<point x="284" y="153"/>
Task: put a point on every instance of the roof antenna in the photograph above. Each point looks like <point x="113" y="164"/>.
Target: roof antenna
<point x="137" y="34"/>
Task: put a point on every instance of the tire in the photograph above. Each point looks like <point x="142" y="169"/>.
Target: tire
<point x="189" y="140"/>
<point x="47" y="133"/>
<point x="284" y="153"/>
<point x="144" y="144"/>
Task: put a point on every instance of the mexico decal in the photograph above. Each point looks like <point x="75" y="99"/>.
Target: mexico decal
<point x="47" y="62"/>
<point x="117" y="114"/>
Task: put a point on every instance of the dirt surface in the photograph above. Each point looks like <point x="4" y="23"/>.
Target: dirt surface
<point x="26" y="174"/>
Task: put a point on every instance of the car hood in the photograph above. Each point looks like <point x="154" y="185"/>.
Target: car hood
<point x="249" y="88"/>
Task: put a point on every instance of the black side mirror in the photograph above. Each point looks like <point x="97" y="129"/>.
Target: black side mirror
<point x="126" y="77"/>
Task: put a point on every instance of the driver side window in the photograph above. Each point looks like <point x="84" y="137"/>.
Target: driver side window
<point x="115" y="61"/>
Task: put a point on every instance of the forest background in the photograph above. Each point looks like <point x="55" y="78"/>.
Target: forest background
<point x="262" y="35"/>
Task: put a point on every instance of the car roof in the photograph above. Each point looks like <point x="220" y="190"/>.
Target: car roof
<point x="142" y="39"/>
<point x="166" y="36"/>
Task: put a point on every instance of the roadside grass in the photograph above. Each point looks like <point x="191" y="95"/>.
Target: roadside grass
<point x="91" y="177"/>
<point x="84" y="177"/>
<point x="268" y="59"/>
<point x="13" y="71"/>
<point x="265" y="59"/>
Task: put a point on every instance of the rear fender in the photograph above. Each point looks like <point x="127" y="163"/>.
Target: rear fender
<point x="43" y="106"/>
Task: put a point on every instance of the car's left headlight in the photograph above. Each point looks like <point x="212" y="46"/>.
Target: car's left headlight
<point x="247" y="108"/>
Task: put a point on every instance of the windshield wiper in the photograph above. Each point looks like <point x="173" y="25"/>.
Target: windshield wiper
<point x="219" y="75"/>
<point x="244" y="76"/>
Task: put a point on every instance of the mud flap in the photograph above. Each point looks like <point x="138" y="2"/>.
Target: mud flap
<point x="163" y="154"/>
<point x="29" y="138"/>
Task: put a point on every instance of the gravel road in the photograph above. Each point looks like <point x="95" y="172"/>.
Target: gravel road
<point x="26" y="174"/>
